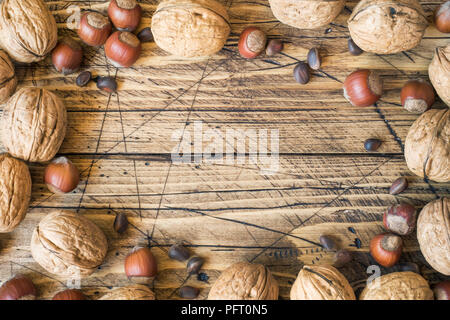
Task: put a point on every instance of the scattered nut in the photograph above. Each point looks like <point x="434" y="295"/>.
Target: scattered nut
<point x="121" y="222"/>
<point x="194" y="265"/>
<point x="83" y="78"/>
<point x="442" y="17"/>
<point x="341" y="258"/>
<point x="67" y="56"/>
<point x="108" y="84"/>
<point x="314" y="59"/>
<point x="94" y="28"/>
<point x="327" y="242"/>
<point x="274" y="46"/>
<point x="145" y="35"/>
<point x="18" y="288"/>
<point x="353" y="48"/>
<point x="188" y="292"/>
<point x="140" y="265"/>
<point x="70" y="294"/>
<point x="400" y="219"/>
<point x="123" y="49"/>
<point x="301" y="73"/>
<point x="372" y="144"/>
<point x="61" y="176"/>
<point x="386" y="249"/>
<point x="442" y="290"/>
<point x="417" y="96"/>
<point x="252" y="42"/>
<point x="362" y="88"/>
<point x="179" y="252"/>
<point x="398" y="186"/>
<point x="125" y="14"/>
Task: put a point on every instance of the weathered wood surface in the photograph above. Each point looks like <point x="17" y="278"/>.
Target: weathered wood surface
<point x="326" y="182"/>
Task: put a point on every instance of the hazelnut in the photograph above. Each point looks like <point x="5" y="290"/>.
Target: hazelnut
<point x="274" y="46"/>
<point x="15" y="188"/>
<point x="252" y="42"/>
<point x="121" y="222"/>
<point x="439" y="73"/>
<point x="123" y="49"/>
<point x="125" y="14"/>
<point x="67" y="56"/>
<point x="433" y="234"/>
<point x="8" y="78"/>
<point x="68" y="244"/>
<point x="70" y="294"/>
<point x="108" y="84"/>
<point x="18" y="288"/>
<point x="61" y="175"/>
<point x="301" y="73"/>
<point x="427" y="146"/>
<point x="194" y="265"/>
<point x="179" y="252"/>
<point x="442" y="290"/>
<point x="145" y="35"/>
<point x="372" y="144"/>
<point x="94" y="28"/>
<point x="442" y="17"/>
<point x="27" y="39"/>
<point x="190" y="28"/>
<point x="386" y="249"/>
<point x="245" y="281"/>
<point x="400" y="219"/>
<point x="321" y="283"/>
<point x="398" y="186"/>
<point x="306" y="14"/>
<point x="34" y="124"/>
<point x="140" y="265"/>
<point x="134" y="292"/>
<point x="314" y="59"/>
<point x="362" y="88"/>
<point x="83" y="78"/>
<point x="386" y="27"/>
<point x="417" y="96"/>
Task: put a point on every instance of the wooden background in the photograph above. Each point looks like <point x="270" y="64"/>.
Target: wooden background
<point x="326" y="184"/>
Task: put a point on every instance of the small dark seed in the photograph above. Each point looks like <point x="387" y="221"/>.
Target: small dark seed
<point x="392" y="11"/>
<point x="372" y="144"/>
<point x="202" y="277"/>
<point x="398" y="186"/>
<point x="145" y="35"/>
<point x="194" y="265"/>
<point x="121" y="222"/>
<point x="341" y="258"/>
<point x="83" y="78"/>
<point x="301" y="73"/>
<point x="352" y="230"/>
<point x="108" y="84"/>
<point x="179" y="252"/>
<point x="314" y="59"/>
<point x="274" y="46"/>
<point x="358" y="243"/>
<point x="188" y="292"/>
<point x="327" y="242"/>
<point x="353" y="48"/>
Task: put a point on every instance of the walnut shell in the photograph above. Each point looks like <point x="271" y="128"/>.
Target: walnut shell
<point x="306" y="14"/>
<point x="321" y="283"/>
<point x="34" y="124"/>
<point x="427" y="146"/>
<point x="439" y="73"/>
<point x="134" y="292"/>
<point x="28" y="30"/>
<point x="68" y="244"/>
<point x="8" y="79"/>
<point x="387" y="26"/>
<point x="15" y="188"/>
<point x="433" y="234"/>
<point x="398" y="286"/>
<point x="245" y="281"/>
<point x="191" y="28"/>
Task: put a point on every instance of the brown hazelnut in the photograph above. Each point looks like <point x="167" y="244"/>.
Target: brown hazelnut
<point x="372" y="144"/>
<point x="67" y="56"/>
<point x="417" y="96"/>
<point x="245" y="281"/>
<point x="34" y="124"/>
<point x="140" y="265"/>
<point x="398" y="186"/>
<point x="306" y="14"/>
<point x="190" y="28"/>
<point x="194" y="265"/>
<point x="133" y="292"/>
<point x="15" y="188"/>
<point x="179" y="252"/>
<point x="386" y="27"/>
<point x="145" y="35"/>
<point x="123" y="49"/>
<point x="125" y="14"/>
<point x="442" y="290"/>
<point x="400" y="219"/>
<point x="8" y="78"/>
<point x="68" y="244"/>
<point x="321" y="283"/>
<point x="386" y="249"/>
<point x="121" y="222"/>
<point x="433" y="234"/>
<point x="252" y="42"/>
<point x="61" y="175"/>
<point x="362" y="88"/>
<point x="108" y="84"/>
<point x="18" y="288"/>
<point x="398" y="286"/>
<point x="353" y="48"/>
<point x="70" y="294"/>
<point x="314" y="59"/>
<point x="439" y="73"/>
<point x="274" y="46"/>
<point x="442" y="17"/>
<point x="301" y="73"/>
<point x="83" y="78"/>
<point x="27" y="39"/>
<point x="427" y="145"/>
<point x="94" y="28"/>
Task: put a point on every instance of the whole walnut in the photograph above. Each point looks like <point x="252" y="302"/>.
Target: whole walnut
<point x="134" y="292"/>
<point x="321" y="283"/>
<point x="386" y="26"/>
<point x="398" y="286"/>
<point x="8" y="79"/>
<point x="427" y="146"/>
<point x="306" y="14"/>
<point x="439" y="73"/>
<point x="15" y="188"/>
<point x="68" y="244"/>
<point x="34" y="124"/>
<point x="245" y="281"/>
<point x="191" y="28"/>
<point x="28" y="30"/>
<point x="433" y="234"/>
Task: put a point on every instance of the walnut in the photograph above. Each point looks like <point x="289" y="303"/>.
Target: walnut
<point x="321" y="283"/>
<point x="439" y="72"/>
<point x="8" y="79"/>
<point x="306" y="14"/>
<point x="427" y="146"/>
<point x="433" y="234"/>
<point x="398" y="286"/>
<point x="68" y="244"/>
<point x="134" y="292"/>
<point x="28" y="30"/>
<point x="245" y="281"/>
<point x="191" y="28"/>
<point x="15" y="188"/>
<point x="34" y="124"/>
<point x="386" y="26"/>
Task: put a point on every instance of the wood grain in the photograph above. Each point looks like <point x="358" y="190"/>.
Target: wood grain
<point x="228" y="212"/>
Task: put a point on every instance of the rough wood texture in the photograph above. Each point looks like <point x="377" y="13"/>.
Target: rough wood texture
<point x="326" y="183"/>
